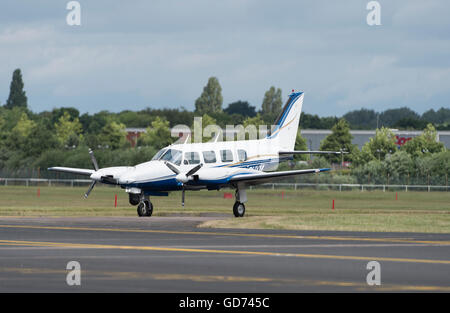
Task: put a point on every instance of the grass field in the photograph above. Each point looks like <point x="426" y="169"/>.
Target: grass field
<point x="305" y="209"/>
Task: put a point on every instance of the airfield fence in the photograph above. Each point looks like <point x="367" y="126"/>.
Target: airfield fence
<point x="274" y="186"/>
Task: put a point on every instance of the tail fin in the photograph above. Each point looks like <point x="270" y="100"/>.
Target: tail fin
<point x="286" y="125"/>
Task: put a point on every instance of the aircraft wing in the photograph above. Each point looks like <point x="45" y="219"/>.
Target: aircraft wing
<point x="263" y="177"/>
<point x="80" y="171"/>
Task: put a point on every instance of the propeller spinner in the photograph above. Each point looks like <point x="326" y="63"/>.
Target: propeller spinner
<point x="183" y="177"/>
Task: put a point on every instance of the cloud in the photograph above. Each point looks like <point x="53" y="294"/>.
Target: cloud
<point x="161" y="53"/>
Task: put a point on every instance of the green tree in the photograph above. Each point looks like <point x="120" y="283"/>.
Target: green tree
<point x="362" y="119"/>
<point x="382" y="144"/>
<point x="371" y="172"/>
<point x="392" y="116"/>
<point x="300" y="145"/>
<point x="68" y="130"/>
<point x="16" y="140"/>
<point x="339" y="139"/>
<point x="256" y="121"/>
<point x="242" y="108"/>
<point x="40" y="140"/>
<point x="438" y="117"/>
<point x="376" y="148"/>
<point x="425" y="143"/>
<point x="24" y="126"/>
<point x="410" y="123"/>
<point x="113" y="135"/>
<point x="157" y="135"/>
<point x="211" y="98"/>
<point x="17" y="96"/>
<point x="399" y="165"/>
<point x="272" y="101"/>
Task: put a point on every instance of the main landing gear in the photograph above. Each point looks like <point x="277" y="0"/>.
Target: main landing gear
<point x="145" y="207"/>
<point x="239" y="207"/>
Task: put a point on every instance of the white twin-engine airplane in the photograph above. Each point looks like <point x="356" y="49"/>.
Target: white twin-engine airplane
<point x="211" y="165"/>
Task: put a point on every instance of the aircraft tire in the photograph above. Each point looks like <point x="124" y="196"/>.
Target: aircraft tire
<point x="238" y="209"/>
<point x="149" y="207"/>
<point x="145" y="208"/>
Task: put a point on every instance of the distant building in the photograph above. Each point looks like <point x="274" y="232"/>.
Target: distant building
<point x="360" y="137"/>
<point x="133" y="134"/>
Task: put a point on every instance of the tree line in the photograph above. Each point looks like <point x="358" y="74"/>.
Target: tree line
<point x="30" y="140"/>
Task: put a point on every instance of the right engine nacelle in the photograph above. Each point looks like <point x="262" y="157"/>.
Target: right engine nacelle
<point x="134" y="198"/>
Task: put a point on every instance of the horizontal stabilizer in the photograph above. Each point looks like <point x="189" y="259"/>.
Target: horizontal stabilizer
<point x="312" y="152"/>
<point x="258" y="178"/>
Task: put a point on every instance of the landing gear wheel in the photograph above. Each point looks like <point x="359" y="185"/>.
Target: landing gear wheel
<point x="145" y="208"/>
<point x="238" y="209"/>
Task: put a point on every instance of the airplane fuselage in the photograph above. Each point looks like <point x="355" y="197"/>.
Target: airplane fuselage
<point x="221" y="161"/>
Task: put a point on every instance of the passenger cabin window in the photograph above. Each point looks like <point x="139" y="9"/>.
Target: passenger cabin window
<point x="242" y="155"/>
<point x="209" y="156"/>
<point x="173" y="156"/>
<point x="191" y="158"/>
<point x="226" y="155"/>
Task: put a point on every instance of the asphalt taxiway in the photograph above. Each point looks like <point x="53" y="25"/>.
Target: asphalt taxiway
<point x="170" y="254"/>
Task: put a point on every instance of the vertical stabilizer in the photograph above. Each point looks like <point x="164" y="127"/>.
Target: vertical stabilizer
<point x="286" y="126"/>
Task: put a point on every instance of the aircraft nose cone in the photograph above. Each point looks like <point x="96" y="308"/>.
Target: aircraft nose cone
<point x="96" y="176"/>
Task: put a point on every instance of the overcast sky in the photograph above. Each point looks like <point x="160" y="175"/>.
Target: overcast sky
<point x="160" y="53"/>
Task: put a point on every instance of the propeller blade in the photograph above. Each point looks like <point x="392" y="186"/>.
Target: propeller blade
<point x="94" y="161"/>
<point x="193" y="170"/>
<point x="90" y="189"/>
<point x="172" y="167"/>
<point x="182" y="197"/>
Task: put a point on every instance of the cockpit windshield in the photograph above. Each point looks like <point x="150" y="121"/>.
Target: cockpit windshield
<point x="159" y="154"/>
<point x="171" y="155"/>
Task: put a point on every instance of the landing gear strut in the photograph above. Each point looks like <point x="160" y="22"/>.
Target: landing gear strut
<point x="239" y="207"/>
<point x="145" y="207"/>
